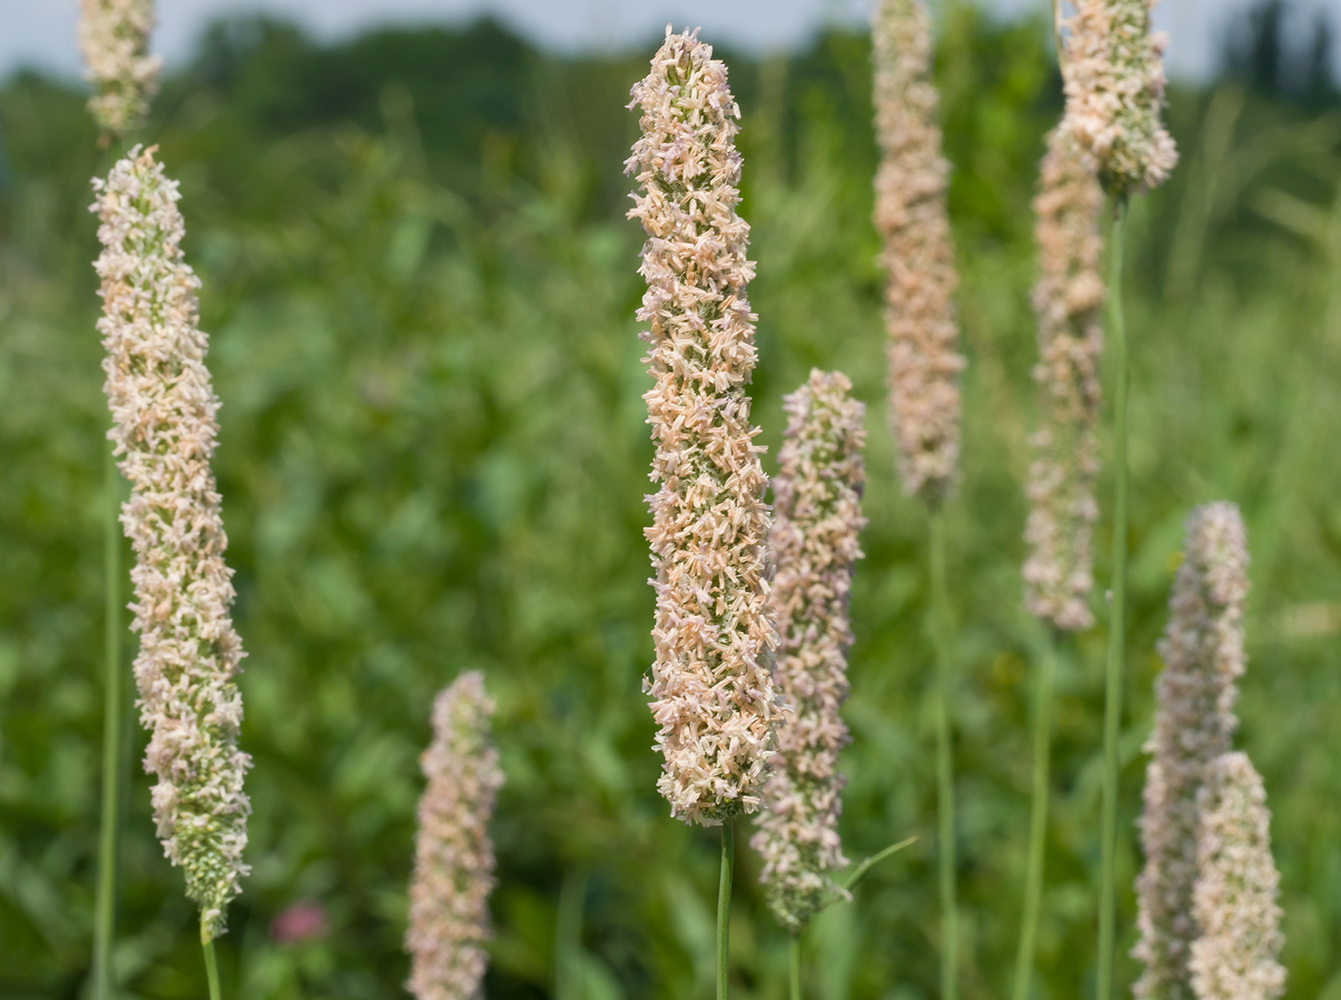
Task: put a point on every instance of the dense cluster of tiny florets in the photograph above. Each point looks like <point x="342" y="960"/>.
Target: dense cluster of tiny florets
<point x="1114" y="72"/>
<point x="711" y="684"/>
<point x="1058" y="573"/>
<point x="1203" y="658"/>
<point x="163" y="409"/>
<point x="911" y="217"/>
<point x="1236" y="955"/>
<point x="817" y="496"/>
<point x="114" y="40"/>
<point x="454" y="858"/>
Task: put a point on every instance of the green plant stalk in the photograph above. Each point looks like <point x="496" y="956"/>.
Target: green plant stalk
<point x="211" y="967"/>
<point x="1117" y="336"/>
<point x="109" y="837"/>
<point x="945" y="790"/>
<point x="794" y="967"/>
<point x="724" y="910"/>
<point x="857" y="874"/>
<point x="1038" y="820"/>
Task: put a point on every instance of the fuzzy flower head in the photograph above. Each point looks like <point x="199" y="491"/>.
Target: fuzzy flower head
<point x="1067" y="298"/>
<point x="1114" y="72"/>
<point x="1235" y="958"/>
<point x="1203" y="658"/>
<point x="818" y="518"/>
<point x="164" y="428"/>
<point x="711" y="685"/>
<point x="910" y="215"/>
<point x="114" y="40"/>
<point x="454" y="858"/>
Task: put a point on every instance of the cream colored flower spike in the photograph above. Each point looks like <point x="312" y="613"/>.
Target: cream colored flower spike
<point x="454" y="858"/>
<point x="1067" y="299"/>
<point x="114" y="40"/>
<point x="1203" y="658"/>
<point x="1114" y="70"/>
<point x="910" y="215"/>
<point x="711" y="685"/>
<point x="817" y="494"/>
<point x="1235" y="958"/>
<point x="163" y="410"/>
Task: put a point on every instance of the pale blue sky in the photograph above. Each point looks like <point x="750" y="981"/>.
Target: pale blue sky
<point x="41" y="32"/>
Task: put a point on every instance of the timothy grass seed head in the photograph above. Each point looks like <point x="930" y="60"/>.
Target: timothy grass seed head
<point x="1114" y="73"/>
<point x="454" y="857"/>
<point x="164" y="428"/>
<point x="114" y="41"/>
<point x="910" y="215"/>
<point x="817" y="495"/>
<point x="1203" y="658"/>
<point x="1235" y="898"/>
<point x="711" y="684"/>
<point x="1058" y="573"/>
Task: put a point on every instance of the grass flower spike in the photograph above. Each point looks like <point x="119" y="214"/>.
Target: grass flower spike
<point x="163" y="409"/>
<point x="1203" y="658"/>
<point x="1114" y="70"/>
<point x="114" y="40"/>
<point x="817" y="496"/>
<point x="1067" y="298"/>
<point x="910" y="215"/>
<point x="454" y="859"/>
<point x="1234" y="901"/>
<point x="711" y="684"/>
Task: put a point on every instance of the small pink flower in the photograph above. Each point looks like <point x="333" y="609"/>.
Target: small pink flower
<point x="298" y="922"/>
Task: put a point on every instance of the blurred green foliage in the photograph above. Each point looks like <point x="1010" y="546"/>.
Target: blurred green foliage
<point x="420" y="290"/>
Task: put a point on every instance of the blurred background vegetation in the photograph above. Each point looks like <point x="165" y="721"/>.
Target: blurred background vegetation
<point x="420" y="289"/>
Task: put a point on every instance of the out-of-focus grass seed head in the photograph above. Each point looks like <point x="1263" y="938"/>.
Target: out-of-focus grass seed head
<point x="1203" y="658"/>
<point x="114" y="41"/>
<point x="911" y="217"/>
<point x="817" y="498"/>
<point x="454" y="857"/>
<point x="1058" y="573"/>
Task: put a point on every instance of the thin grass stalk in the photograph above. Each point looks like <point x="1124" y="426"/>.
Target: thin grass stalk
<point x="1038" y="819"/>
<point x="211" y="964"/>
<point x="945" y="788"/>
<point x="724" y="909"/>
<point x="794" y="967"/>
<point x="1118" y="619"/>
<point x="114" y="684"/>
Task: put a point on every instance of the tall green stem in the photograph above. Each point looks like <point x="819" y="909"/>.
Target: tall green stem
<point x="1117" y="337"/>
<point x="794" y="967"/>
<point x="1038" y="820"/>
<point x="945" y="788"/>
<point x="211" y="969"/>
<point x="109" y="839"/>
<point x="724" y="910"/>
